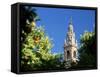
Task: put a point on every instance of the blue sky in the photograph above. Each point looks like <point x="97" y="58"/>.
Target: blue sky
<point x="55" y="22"/>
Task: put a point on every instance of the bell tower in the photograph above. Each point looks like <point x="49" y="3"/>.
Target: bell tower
<point x="70" y="44"/>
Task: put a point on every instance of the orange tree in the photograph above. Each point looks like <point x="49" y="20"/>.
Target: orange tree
<point x="36" y="45"/>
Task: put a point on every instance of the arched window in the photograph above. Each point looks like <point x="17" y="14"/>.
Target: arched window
<point x="74" y="54"/>
<point x="68" y="55"/>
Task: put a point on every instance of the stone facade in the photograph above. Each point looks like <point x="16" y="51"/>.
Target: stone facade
<point x="70" y="45"/>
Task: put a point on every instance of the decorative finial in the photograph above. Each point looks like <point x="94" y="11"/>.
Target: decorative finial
<point x="65" y="41"/>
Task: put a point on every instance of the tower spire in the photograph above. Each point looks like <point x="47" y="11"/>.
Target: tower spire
<point x="70" y="22"/>
<point x="70" y="28"/>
